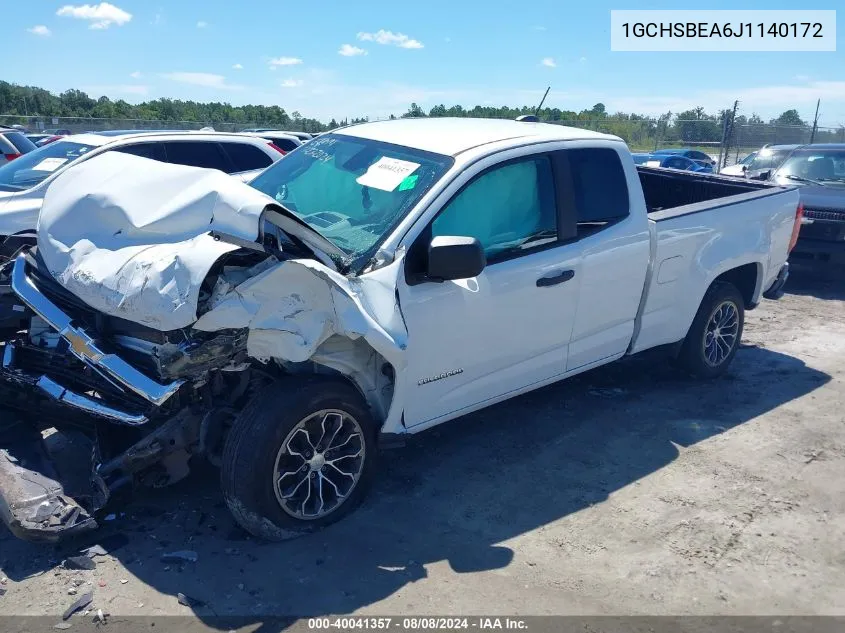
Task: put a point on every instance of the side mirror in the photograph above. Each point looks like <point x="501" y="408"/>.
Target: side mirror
<point x="745" y="168"/>
<point x="452" y="257"/>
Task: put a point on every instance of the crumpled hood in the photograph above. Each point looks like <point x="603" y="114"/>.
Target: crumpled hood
<point x="130" y="236"/>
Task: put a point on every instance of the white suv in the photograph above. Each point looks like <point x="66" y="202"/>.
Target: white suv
<point x="24" y="180"/>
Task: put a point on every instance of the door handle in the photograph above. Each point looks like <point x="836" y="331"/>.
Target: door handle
<point x="557" y="278"/>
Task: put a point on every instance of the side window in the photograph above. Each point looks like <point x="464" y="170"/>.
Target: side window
<point x="197" y="154"/>
<point x="246" y="157"/>
<point x="286" y="144"/>
<point x="509" y="209"/>
<point x="155" y="151"/>
<point x="676" y="163"/>
<point x="600" y="190"/>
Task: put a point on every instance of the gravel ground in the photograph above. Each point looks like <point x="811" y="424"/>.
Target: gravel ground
<point x="628" y="490"/>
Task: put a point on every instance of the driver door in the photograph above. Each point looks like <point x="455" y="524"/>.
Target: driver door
<point x="474" y="341"/>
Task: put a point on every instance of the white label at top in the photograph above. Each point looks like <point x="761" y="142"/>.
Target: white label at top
<point x="708" y="30"/>
<point x="386" y="173"/>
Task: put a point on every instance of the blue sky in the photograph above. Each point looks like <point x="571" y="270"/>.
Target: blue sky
<point x="469" y="52"/>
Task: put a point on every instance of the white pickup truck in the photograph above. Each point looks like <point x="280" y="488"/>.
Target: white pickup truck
<point x="385" y="278"/>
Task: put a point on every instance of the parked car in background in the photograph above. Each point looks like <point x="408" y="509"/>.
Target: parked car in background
<point x="768" y="159"/>
<point x="671" y="161"/>
<point x="692" y="154"/>
<point x="281" y="141"/>
<point x="24" y="181"/>
<point x="43" y="139"/>
<point x="820" y="172"/>
<point x="738" y="168"/>
<point x="302" y="136"/>
<point x="13" y="145"/>
<point x="58" y="132"/>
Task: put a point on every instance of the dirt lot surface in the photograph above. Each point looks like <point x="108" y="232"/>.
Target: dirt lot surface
<point x="629" y="490"/>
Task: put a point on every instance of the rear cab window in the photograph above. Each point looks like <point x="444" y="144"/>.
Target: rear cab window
<point x="599" y="188"/>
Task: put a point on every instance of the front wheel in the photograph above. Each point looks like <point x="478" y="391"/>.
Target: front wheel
<point x="714" y="335"/>
<point x="300" y="456"/>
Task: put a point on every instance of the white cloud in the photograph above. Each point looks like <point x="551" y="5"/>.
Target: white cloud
<point x="41" y="30"/>
<point x="548" y="62"/>
<point x="237" y="67"/>
<point x="539" y="28"/>
<point x="389" y="38"/>
<point x="100" y="16"/>
<point x="136" y="75"/>
<point x="347" y="50"/>
<point x="284" y="61"/>
<point x="582" y="60"/>
<point x="292" y="83"/>
<point x="202" y="24"/>
<point x="206" y="80"/>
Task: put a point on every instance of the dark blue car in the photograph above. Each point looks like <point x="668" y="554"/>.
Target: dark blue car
<point x="693" y="154"/>
<point x="671" y="161"/>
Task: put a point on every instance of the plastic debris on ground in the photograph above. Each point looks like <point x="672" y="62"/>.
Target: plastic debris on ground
<point x="183" y="556"/>
<point x="80" y="603"/>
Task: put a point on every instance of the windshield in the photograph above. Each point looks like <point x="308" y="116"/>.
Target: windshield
<point x="30" y="169"/>
<point x="768" y="159"/>
<point x="827" y="166"/>
<point x="351" y="190"/>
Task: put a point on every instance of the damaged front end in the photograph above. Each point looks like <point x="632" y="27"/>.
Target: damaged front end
<point x="153" y="308"/>
<point x="101" y="403"/>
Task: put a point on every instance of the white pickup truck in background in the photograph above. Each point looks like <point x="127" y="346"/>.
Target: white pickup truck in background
<point x="385" y="278"/>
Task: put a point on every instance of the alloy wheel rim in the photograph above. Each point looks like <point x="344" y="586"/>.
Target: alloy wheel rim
<point x="720" y="335"/>
<point x="319" y="464"/>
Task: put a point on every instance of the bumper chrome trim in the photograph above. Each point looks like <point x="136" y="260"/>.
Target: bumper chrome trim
<point x="83" y="346"/>
<point x="89" y="405"/>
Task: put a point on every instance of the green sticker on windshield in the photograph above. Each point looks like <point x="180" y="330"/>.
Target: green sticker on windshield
<point x="409" y="183"/>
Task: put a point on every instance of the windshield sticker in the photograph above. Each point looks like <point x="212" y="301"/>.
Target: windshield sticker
<point x="386" y="173"/>
<point x="50" y="164"/>
<point x="409" y="183"/>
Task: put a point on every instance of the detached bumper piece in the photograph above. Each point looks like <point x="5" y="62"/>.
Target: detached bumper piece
<point x="775" y="291"/>
<point x="34" y="503"/>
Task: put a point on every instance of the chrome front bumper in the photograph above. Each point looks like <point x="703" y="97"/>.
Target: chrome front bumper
<point x="85" y="348"/>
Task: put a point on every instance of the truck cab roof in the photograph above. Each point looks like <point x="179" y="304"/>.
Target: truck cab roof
<point x="452" y="136"/>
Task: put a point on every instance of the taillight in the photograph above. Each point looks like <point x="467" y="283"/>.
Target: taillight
<point x="12" y="156"/>
<point x="796" y="228"/>
<point x="277" y="148"/>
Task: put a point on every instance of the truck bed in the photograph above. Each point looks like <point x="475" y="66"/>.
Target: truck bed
<point x="669" y="193"/>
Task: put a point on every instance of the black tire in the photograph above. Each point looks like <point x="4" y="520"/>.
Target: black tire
<point x="693" y="356"/>
<point x="254" y="442"/>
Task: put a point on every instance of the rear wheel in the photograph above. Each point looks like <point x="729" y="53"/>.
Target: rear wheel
<point x="299" y="457"/>
<point x="715" y="333"/>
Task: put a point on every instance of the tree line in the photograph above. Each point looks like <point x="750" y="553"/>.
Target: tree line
<point x="693" y="126"/>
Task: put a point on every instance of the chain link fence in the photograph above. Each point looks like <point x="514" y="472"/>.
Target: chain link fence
<point x="728" y="138"/>
<point x="79" y="125"/>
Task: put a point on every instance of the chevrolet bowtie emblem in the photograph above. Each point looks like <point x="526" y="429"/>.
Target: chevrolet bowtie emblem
<point x="81" y="347"/>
